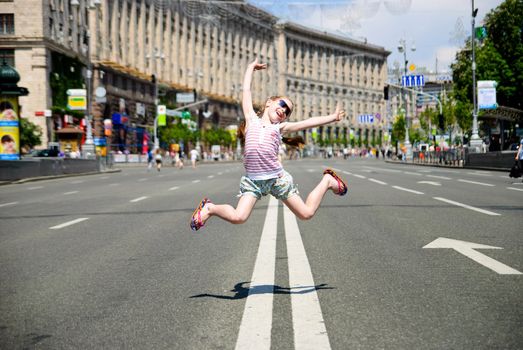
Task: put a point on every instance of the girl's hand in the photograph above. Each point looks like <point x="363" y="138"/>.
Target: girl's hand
<point x="339" y="114"/>
<point x="258" y="66"/>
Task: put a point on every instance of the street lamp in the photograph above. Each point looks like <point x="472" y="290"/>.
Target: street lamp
<point x="475" y="141"/>
<point x="88" y="148"/>
<point x="402" y="48"/>
<point x="159" y="56"/>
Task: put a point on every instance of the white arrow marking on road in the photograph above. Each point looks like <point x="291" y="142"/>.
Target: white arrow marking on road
<point x="433" y="183"/>
<point x="256" y="325"/>
<point x="69" y="223"/>
<point x="467" y="249"/>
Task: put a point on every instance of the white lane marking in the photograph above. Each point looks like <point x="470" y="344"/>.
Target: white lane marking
<point x="142" y="179"/>
<point x="359" y="176"/>
<point x="479" y="174"/>
<point x="7" y="204"/>
<point x="35" y="188"/>
<point x="220" y="173"/>
<point x="433" y="183"/>
<point x="70" y="192"/>
<point x="377" y="181"/>
<point x="467" y="249"/>
<point x="256" y="324"/>
<point x="115" y="184"/>
<point x="347" y="172"/>
<point x="411" y="173"/>
<point x="195" y="181"/>
<point x="311" y="170"/>
<point x="104" y="177"/>
<point x="515" y="189"/>
<point x="307" y="319"/>
<point x="440" y="177"/>
<point x="210" y="176"/>
<point x="138" y="199"/>
<point x="389" y="170"/>
<point x="173" y="188"/>
<point x="69" y="223"/>
<point x="407" y="190"/>
<point x="466" y="206"/>
<point x="76" y="182"/>
<point x="475" y="182"/>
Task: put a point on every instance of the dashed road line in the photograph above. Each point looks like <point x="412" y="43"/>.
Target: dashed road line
<point x="440" y="177"/>
<point x="195" y="181"/>
<point x="515" y="189"/>
<point x="210" y="176"/>
<point x="412" y="173"/>
<point x="69" y="223"/>
<point x="174" y="188"/>
<point x="359" y="176"/>
<point x="475" y="182"/>
<point x="407" y="190"/>
<point x="34" y="188"/>
<point x="138" y="199"/>
<point x="466" y="206"/>
<point x="378" y="181"/>
<point x="8" y="204"/>
<point x="70" y="192"/>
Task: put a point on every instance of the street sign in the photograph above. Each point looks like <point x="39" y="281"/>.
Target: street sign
<point x="412" y="80"/>
<point x="185" y="97"/>
<point x="162" y="110"/>
<point x="366" y="119"/>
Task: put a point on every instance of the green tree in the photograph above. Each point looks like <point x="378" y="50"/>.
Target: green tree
<point x="499" y="58"/>
<point x="30" y="134"/>
<point x="398" y="129"/>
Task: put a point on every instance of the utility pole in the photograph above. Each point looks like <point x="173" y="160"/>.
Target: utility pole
<point x="475" y="141"/>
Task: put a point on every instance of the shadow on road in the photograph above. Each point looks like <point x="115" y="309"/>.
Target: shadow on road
<point x="243" y="292"/>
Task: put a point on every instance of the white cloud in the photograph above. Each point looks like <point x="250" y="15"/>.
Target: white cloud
<point x="429" y="24"/>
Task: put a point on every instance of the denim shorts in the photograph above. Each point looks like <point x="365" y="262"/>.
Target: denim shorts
<point x="281" y="187"/>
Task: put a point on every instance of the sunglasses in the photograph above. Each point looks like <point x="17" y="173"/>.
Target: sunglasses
<point x="284" y="105"/>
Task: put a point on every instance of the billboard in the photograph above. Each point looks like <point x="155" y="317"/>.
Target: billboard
<point x="9" y="128"/>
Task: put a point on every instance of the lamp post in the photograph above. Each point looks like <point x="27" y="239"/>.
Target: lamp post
<point x="88" y="148"/>
<point x="159" y="56"/>
<point x="475" y="141"/>
<point x="402" y="48"/>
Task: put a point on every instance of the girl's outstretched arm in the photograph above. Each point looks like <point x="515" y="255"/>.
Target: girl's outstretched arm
<point x="247" y="95"/>
<point x="313" y="122"/>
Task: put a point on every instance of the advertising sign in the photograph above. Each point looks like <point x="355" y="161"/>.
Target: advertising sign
<point x="9" y="128"/>
<point x="487" y="94"/>
<point x="162" y="110"/>
<point x="77" y="99"/>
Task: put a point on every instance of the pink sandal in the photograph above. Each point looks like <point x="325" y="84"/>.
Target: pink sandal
<point x="342" y="186"/>
<point x="196" y="220"/>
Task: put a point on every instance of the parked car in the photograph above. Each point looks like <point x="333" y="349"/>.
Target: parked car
<point x="51" y="152"/>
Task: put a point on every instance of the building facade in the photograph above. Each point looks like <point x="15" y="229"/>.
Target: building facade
<point x="188" y="46"/>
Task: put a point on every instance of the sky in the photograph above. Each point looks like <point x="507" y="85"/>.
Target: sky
<point x="436" y="28"/>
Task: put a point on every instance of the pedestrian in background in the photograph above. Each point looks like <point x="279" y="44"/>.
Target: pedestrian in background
<point x="519" y="156"/>
<point x="194" y="156"/>
<point x="158" y="159"/>
<point x="264" y="173"/>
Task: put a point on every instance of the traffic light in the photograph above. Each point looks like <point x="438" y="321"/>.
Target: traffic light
<point x="386" y="92"/>
<point x="441" y="121"/>
<point x="153" y="79"/>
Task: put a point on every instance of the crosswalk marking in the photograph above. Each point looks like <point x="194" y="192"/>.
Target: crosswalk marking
<point x="256" y="324"/>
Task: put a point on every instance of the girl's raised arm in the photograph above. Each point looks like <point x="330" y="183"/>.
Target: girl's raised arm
<point x="247" y="95"/>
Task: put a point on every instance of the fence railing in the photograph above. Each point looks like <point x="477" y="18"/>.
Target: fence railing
<point x="452" y="157"/>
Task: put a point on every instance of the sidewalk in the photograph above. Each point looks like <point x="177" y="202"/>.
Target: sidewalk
<point x="50" y="177"/>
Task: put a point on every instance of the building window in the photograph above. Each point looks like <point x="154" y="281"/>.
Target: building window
<point x="7" y="23"/>
<point x="7" y="56"/>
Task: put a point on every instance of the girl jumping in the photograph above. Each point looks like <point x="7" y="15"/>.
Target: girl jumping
<point x="264" y="173"/>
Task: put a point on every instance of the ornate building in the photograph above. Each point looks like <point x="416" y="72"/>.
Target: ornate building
<point x="189" y="46"/>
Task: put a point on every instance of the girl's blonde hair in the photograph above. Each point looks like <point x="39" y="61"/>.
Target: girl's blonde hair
<point x="275" y="98"/>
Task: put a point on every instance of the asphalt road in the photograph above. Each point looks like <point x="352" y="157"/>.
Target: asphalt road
<point x="108" y="261"/>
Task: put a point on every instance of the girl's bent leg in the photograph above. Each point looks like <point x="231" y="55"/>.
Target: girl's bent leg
<point x="306" y="210"/>
<point x="237" y="215"/>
